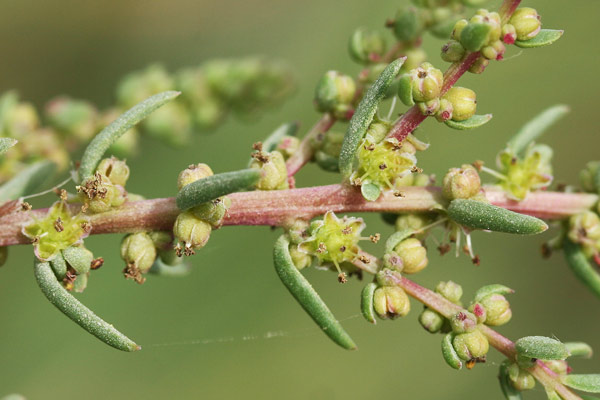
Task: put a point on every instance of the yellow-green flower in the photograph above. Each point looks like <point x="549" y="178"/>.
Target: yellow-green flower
<point x="532" y="172"/>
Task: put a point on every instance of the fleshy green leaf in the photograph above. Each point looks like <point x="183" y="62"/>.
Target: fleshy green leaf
<point x="533" y="129"/>
<point x="79" y="313"/>
<point x="542" y="348"/>
<point x="585" y="382"/>
<point x="6" y="143"/>
<point x="308" y="298"/>
<point x="545" y="37"/>
<point x="474" y="122"/>
<point x="449" y="353"/>
<point x="491" y="289"/>
<point x="27" y="181"/>
<point x="59" y="266"/>
<point x="405" y="90"/>
<point x="162" y="269"/>
<point x="209" y="188"/>
<point x="103" y="140"/>
<point x="366" y="302"/>
<point x="579" y="349"/>
<point x="581" y="266"/>
<point x="509" y="391"/>
<point x="478" y="215"/>
<point x="363" y="116"/>
<point x="474" y="36"/>
<point x="370" y="191"/>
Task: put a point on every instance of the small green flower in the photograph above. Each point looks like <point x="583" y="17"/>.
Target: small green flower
<point x="58" y="230"/>
<point x="391" y="302"/>
<point x="533" y="172"/>
<point x="527" y="23"/>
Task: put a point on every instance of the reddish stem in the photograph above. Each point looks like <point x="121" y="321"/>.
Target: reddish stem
<point x="305" y="151"/>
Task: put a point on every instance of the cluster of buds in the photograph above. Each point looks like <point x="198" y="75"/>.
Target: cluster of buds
<point x="518" y="176"/>
<point x="334" y="94"/>
<point x="327" y="150"/>
<point x="431" y="320"/>
<point x="389" y="300"/>
<point x="334" y="241"/>
<point x="461" y="183"/>
<point x="385" y="162"/>
<point x="272" y="167"/>
<point x="106" y="189"/>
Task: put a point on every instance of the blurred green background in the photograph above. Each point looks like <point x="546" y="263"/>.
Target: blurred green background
<point x="204" y="336"/>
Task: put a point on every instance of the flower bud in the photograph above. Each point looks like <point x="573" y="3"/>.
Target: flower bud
<point x="20" y="120"/>
<point x="273" y="170"/>
<point x="287" y="146"/>
<point x="588" y="177"/>
<point x="391" y="302"/>
<point x="509" y="34"/>
<point x="137" y="249"/>
<point x="520" y="378"/>
<point x="458" y="28"/>
<point x="431" y="320"/>
<point x="212" y="211"/>
<point x="392" y="261"/>
<point x="494" y="51"/>
<point x="192" y="174"/>
<point x="450" y="291"/>
<point x="463" y="322"/>
<point x="412" y="222"/>
<point x="366" y="46"/>
<point x="445" y="111"/>
<point x="414" y="58"/>
<point x="170" y="124"/>
<point x="408" y="24"/>
<point x="426" y="82"/>
<point x="497" y="309"/>
<point x="461" y="183"/>
<point x="584" y="227"/>
<point x="388" y="277"/>
<point x="115" y="170"/>
<point x="479" y="312"/>
<point x="99" y="194"/>
<point x="192" y="231"/>
<point x="140" y="85"/>
<point x="430" y="107"/>
<point x="527" y="23"/>
<point x="413" y="255"/>
<point x="464" y="102"/>
<point x="78" y="258"/>
<point x="453" y="51"/>
<point x="471" y="346"/>
<point x="334" y="94"/>
<point x="378" y="130"/>
<point x="560" y="367"/>
<point x="301" y="260"/>
<point x="74" y="118"/>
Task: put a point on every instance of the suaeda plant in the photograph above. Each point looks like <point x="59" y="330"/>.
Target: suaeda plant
<point x="376" y="159"/>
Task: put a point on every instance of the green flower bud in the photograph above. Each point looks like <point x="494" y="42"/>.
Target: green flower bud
<point x="171" y="124"/>
<point x="192" y="174"/>
<point x="590" y="178"/>
<point x="471" y="346"/>
<point x="392" y="261"/>
<point x="450" y="291"/>
<point x="140" y="85"/>
<point x="430" y="107"/>
<point x="137" y="249"/>
<point x="413" y="255"/>
<point x="463" y="322"/>
<point x="445" y="111"/>
<point x="479" y="312"/>
<point x="192" y="231"/>
<point x="509" y="34"/>
<point x="584" y="228"/>
<point x="426" y="82"/>
<point x="3" y="255"/>
<point x="378" y="130"/>
<point x="99" y="194"/>
<point x="408" y="24"/>
<point x="20" y="120"/>
<point x="479" y="65"/>
<point x="414" y="58"/>
<point x="391" y="302"/>
<point x="334" y="94"/>
<point x="458" y="28"/>
<point x="213" y="211"/>
<point x="453" y="51"/>
<point x="527" y="23"/>
<point x="115" y="170"/>
<point x="366" y="46"/>
<point x="494" y="51"/>
<point x="287" y="146"/>
<point x="74" y="118"/>
<point x="412" y="222"/>
<point x="461" y="183"/>
<point x="560" y="367"/>
<point x="520" y="378"/>
<point x="464" y="102"/>
<point x="273" y="170"/>
<point x="497" y="309"/>
<point x="423" y="180"/>
<point x="301" y="260"/>
<point x="78" y="258"/>
<point x="431" y="320"/>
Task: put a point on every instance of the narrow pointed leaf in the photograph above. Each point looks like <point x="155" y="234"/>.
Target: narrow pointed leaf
<point x="77" y="312"/>
<point x="396" y="238"/>
<point x="491" y="289"/>
<point x="449" y="353"/>
<point x="27" y="181"/>
<point x="579" y="349"/>
<point x="366" y="302"/>
<point x="214" y="186"/>
<point x="544" y="37"/>
<point x="162" y="269"/>
<point x="508" y="390"/>
<point x="541" y="347"/>
<point x="474" y="122"/>
<point x="103" y="140"/>
<point x="581" y="266"/>
<point x="370" y="191"/>
<point x="533" y="129"/>
<point x="308" y="298"/>
<point x="478" y="215"/>
<point x="363" y="116"/>
<point x="585" y="382"/>
<point x="6" y="143"/>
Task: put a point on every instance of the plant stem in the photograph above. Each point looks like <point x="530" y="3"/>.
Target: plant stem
<point x="501" y="343"/>
<point x="275" y="208"/>
<point x="413" y="117"/>
<point x="305" y="151"/>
